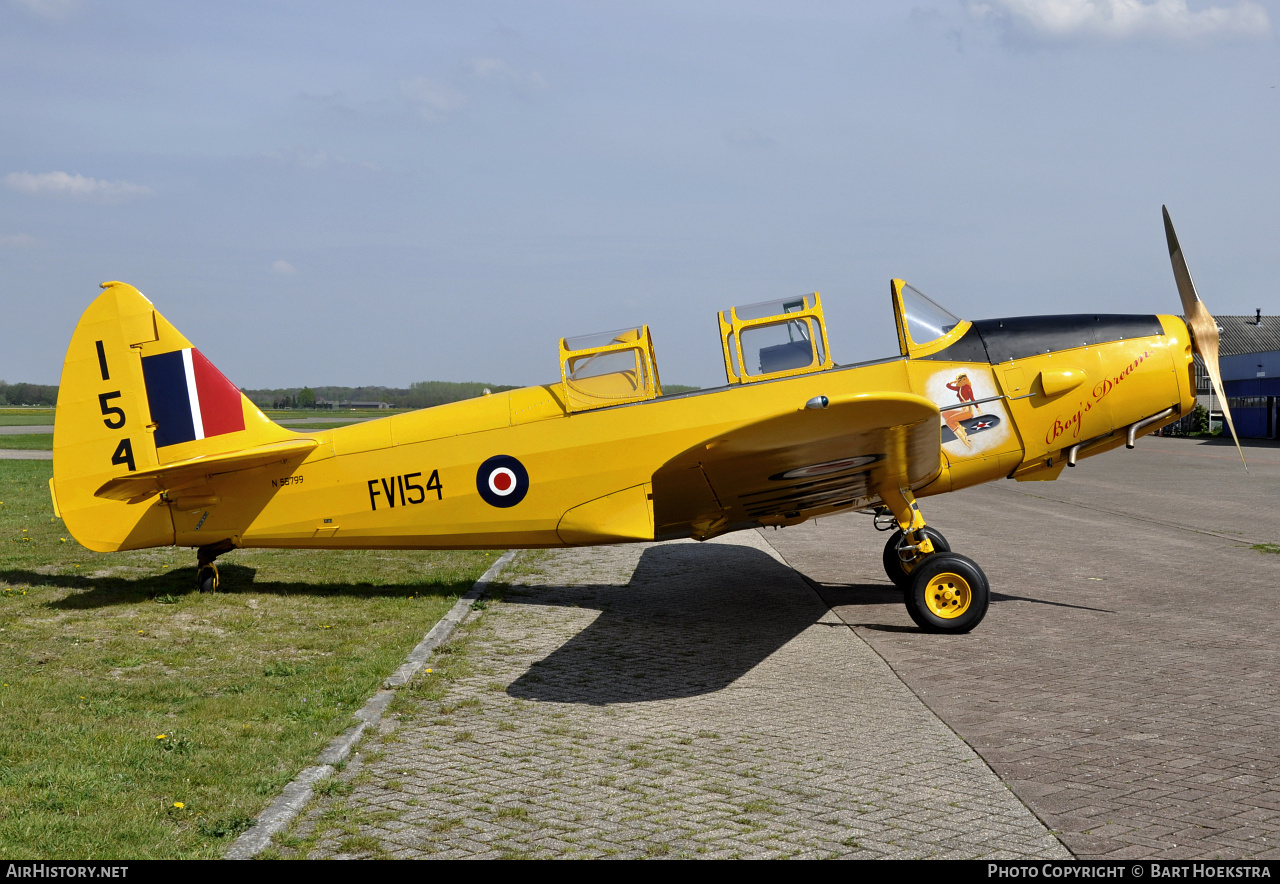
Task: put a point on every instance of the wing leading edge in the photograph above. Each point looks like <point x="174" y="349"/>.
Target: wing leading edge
<point x="789" y="467"/>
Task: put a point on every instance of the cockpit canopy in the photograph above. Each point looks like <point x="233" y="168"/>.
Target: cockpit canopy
<point x="764" y="341"/>
<point x="774" y="339"/>
<point x="609" y="368"/>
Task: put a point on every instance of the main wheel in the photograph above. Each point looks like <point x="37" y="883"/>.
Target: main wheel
<point x="207" y="578"/>
<point x="899" y="571"/>
<point x="948" y="593"/>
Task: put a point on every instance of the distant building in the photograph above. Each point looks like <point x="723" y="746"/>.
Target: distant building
<point x="1249" y="355"/>
<point x="361" y="405"/>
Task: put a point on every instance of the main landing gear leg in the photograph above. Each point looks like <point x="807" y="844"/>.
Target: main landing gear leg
<point x="913" y="541"/>
<point x="943" y="591"/>
<point x="206" y="571"/>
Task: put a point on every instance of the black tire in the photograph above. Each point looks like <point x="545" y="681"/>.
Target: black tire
<point x="893" y="565"/>
<point x="207" y="578"/>
<point x="948" y="593"/>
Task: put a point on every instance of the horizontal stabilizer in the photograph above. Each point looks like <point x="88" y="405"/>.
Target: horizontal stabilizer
<point x="143" y="484"/>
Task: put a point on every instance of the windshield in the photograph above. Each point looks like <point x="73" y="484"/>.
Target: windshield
<point x="603" y="339"/>
<point x="926" y="319"/>
<point x="771" y="308"/>
<point x="617" y="374"/>
<point x="595" y="365"/>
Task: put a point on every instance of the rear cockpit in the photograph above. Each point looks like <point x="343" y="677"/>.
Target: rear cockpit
<point x="760" y="342"/>
<point x="609" y="368"/>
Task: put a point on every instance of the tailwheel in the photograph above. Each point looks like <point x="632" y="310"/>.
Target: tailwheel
<point x="207" y="578"/>
<point x="900" y="560"/>
<point x="206" y="570"/>
<point x="948" y="593"/>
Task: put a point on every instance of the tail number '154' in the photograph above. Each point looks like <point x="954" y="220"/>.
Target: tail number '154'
<point x="403" y="490"/>
<point x="113" y="415"/>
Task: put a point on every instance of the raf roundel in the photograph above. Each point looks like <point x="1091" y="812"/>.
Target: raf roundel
<point x="502" y="481"/>
<point x="844" y="464"/>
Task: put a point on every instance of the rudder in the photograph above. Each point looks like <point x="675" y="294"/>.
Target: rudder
<point x="135" y="394"/>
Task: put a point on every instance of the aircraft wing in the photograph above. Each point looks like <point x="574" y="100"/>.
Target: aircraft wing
<point x="143" y="484"/>
<point x="788" y="467"/>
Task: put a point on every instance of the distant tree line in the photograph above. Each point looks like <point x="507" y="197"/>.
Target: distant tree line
<point x="423" y="394"/>
<point x="28" y="394"/>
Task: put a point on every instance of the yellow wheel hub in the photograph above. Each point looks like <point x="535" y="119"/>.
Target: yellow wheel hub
<point x="948" y="595"/>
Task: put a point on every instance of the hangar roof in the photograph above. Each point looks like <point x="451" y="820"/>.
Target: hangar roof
<point x="1240" y="335"/>
<point x="1248" y="334"/>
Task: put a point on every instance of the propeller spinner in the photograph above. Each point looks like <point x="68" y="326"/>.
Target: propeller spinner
<point x="1204" y="328"/>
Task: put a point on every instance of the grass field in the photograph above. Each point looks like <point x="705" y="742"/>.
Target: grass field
<point x="28" y="441"/>
<point x="319" y="425"/>
<point x="44" y="441"/>
<point x="21" y="417"/>
<point x="284" y="414"/>
<point x="25" y="417"/>
<point x="139" y="718"/>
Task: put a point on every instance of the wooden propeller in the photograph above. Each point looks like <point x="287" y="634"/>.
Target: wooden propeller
<point x="1204" y="328"/>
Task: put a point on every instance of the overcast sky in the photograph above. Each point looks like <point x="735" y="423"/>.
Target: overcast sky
<point x="381" y="193"/>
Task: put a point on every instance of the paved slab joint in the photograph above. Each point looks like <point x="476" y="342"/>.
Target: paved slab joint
<point x="670" y="700"/>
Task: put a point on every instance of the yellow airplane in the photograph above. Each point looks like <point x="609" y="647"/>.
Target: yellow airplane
<point x="153" y="446"/>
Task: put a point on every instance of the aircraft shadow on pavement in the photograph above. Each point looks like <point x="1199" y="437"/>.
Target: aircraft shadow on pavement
<point x="692" y="621"/>
<point x="92" y="592"/>
<point x="869" y="596"/>
<point x="839" y="594"/>
<point x="1225" y="441"/>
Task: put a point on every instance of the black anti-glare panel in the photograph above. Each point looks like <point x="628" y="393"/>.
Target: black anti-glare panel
<point x="1022" y="336"/>
<point x="968" y="349"/>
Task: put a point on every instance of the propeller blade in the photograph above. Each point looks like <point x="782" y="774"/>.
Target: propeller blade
<point x="1181" y="275"/>
<point x="1204" y="328"/>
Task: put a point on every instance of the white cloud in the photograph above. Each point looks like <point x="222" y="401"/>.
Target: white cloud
<point x="18" y="241"/>
<point x="304" y="158"/>
<point x="1125" y="19"/>
<point x="748" y="137"/>
<point x="47" y="8"/>
<point x="78" y="187"/>
<point x="315" y="159"/>
<point x="496" y="69"/>
<point x="283" y="268"/>
<point x="434" y="100"/>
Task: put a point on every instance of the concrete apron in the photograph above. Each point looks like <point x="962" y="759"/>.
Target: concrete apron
<point x="674" y="699"/>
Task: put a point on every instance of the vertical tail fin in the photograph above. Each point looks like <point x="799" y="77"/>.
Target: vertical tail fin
<point x="135" y="394"/>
